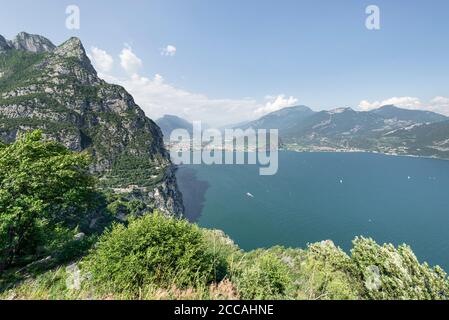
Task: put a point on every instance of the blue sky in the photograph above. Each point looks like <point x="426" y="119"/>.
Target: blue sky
<point x="238" y="59"/>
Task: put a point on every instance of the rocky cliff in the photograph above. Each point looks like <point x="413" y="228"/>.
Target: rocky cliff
<point x="57" y="90"/>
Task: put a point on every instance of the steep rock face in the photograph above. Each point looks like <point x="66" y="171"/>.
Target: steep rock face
<point x="59" y="92"/>
<point x="31" y="43"/>
<point x="4" y="45"/>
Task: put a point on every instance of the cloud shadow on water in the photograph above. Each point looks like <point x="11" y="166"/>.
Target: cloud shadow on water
<point x="193" y="192"/>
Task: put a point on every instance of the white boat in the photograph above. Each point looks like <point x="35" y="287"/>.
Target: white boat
<point x="249" y="195"/>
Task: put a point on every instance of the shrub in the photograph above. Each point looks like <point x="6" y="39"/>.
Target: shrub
<point x="151" y="250"/>
<point x="266" y="278"/>
<point x="224" y="253"/>
<point x="121" y="207"/>
<point x="327" y="273"/>
<point x="390" y="273"/>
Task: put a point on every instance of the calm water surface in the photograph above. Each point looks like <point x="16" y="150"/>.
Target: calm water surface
<point x="319" y="196"/>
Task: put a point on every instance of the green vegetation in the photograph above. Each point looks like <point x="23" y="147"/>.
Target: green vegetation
<point x="134" y="170"/>
<point x="53" y="243"/>
<point x="152" y="250"/>
<point x="46" y="199"/>
<point x="45" y="189"/>
<point x="266" y="278"/>
<point x="69" y="104"/>
<point x="124" y="206"/>
<point x="18" y="68"/>
<point x="400" y="275"/>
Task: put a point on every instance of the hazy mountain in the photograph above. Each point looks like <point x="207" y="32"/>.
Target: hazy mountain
<point x="283" y="120"/>
<point x="242" y="124"/>
<point x="343" y="121"/>
<point x="430" y="140"/>
<point x="415" y="116"/>
<point x="168" y="123"/>
<point x="387" y="129"/>
<point x="57" y="90"/>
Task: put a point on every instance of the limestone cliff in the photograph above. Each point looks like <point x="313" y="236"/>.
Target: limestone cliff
<point x="57" y="89"/>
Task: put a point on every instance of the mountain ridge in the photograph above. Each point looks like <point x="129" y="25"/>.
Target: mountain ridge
<point x="345" y="129"/>
<point x="168" y="123"/>
<point x="59" y="92"/>
<point x="391" y="111"/>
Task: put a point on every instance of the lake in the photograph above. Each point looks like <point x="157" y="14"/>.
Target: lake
<point x="320" y="196"/>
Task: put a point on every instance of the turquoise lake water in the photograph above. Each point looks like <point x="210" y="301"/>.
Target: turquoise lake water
<point x="320" y="196"/>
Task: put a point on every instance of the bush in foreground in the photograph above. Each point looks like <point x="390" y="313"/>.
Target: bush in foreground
<point x="151" y="251"/>
<point x="155" y="257"/>
<point x="45" y="191"/>
<point x="267" y="278"/>
<point x="327" y="273"/>
<point x="395" y="273"/>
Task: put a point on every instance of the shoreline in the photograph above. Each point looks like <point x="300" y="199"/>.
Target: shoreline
<point x="367" y="151"/>
<point x="335" y="151"/>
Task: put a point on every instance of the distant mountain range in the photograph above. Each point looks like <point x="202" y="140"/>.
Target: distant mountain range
<point x="284" y="120"/>
<point x="388" y="129"/>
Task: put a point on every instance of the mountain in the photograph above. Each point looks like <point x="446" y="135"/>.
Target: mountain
<point x="430" y="140"/>
<point x="4" y="45"/>
<point x="237" y="125"/>
<point x="342" y="121"/>
<point x="284" y="120"/>
<point x="32" y="43"/>
<point x="335" y="129"/>
<point x="27" y="42"/>
<point x="386" y="129"/>
<point x="168" y="123"/>
<point x="57" y="90"/>
<point x="414" y="116"/>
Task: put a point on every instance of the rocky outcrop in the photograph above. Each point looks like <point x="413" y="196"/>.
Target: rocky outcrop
<point x="32" y="43"/>
<point x="73" y="48"/>
<point x="167" y="196"/>
<point x="59" y="92"/>
<point x="4" y="46"/>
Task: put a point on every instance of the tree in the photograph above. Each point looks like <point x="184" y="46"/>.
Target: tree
<point x="43" y="187"/>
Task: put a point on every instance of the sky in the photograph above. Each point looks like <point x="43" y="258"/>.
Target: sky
<point x="226" y="61"/>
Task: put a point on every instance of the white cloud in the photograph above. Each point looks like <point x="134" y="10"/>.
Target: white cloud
<point x="158" y="79"/>
<point x="437" y="104"/>
<point x="403" y="102"/>
<point x="440" y="105"/>
<point x="275" y="103"/>
<point x="169" y="51"/>
<point x="157" y="97"/>
<point x="102" y="61"/>
<point x="129" y="61"/>
<point x="441" y="102"/>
